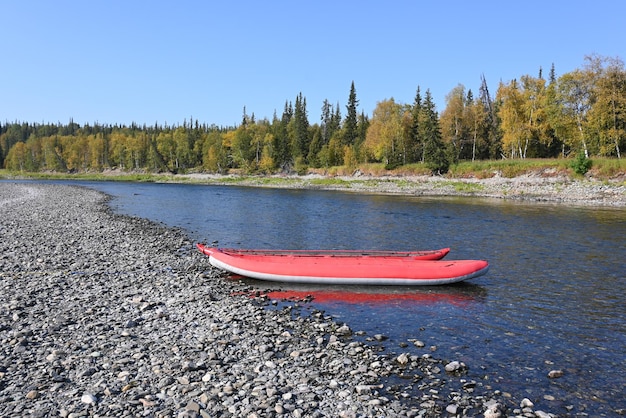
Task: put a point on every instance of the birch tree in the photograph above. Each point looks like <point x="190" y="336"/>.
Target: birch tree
<point x="576" y="95"/>
<point x="453" y="124"/>
<point x="384" y="135"/>
<point x="512" y="118"/>
<point x="607" y="116"/>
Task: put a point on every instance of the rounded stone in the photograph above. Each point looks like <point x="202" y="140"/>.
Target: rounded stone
<point x="33" y="394"/>
<point x="452" y="409"/>
<point x="88" y="398"/>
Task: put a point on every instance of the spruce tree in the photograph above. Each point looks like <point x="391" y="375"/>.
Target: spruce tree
<point x="489" y="124"/>
<point x="435" y="155"/>
<point x="415" y="144"/>
<point x="327" y="110"/>
<point x="335" y="122"/>
<point x="280" y="148"/>
<point x="301" y="146"/>
<point x="350" y="131"/>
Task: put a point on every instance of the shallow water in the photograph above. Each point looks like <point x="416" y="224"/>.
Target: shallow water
<point x="553" y="298"/>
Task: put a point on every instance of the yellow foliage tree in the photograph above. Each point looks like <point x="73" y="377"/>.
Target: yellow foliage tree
<point x="16" y="158"/>
<point x="452" y="120"/>
<point x="607" y="116"/>
<point x="385" y="133"/>
<point x="512" y="119"/>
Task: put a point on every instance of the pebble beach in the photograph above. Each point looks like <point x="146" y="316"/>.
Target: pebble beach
<point x="110" y="315"/>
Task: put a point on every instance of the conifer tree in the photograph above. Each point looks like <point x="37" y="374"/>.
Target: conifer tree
<point x="325" y="125"/>
<point x="280" y="145"/>
<point x="488" y="125"/>
<point x="335" y="121"/>
<point x="350" y="132"/>
<point x="415" y="143"/>
<point x="301" y="145"/>
<point x="434" y="149"/>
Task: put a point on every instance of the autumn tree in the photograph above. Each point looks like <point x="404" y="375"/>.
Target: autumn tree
<point x="332" y="154"/>
<point x="136" y="150"/>
<point x="76" y="152"/>
<point x="241" y="148"/>
<point x="467" y="124"/>
<point x="166" y="147"/>
<point x="522" y="111"/>
<point x="97" y="151"/>
<point x="535" y="123"/>
<point x="553" y="108"/>
<point x="35" y="155"/>
<point x="17" y="157"/>
<point x="183" y="149"/>
<point x="473" y="118"/>
<point x="576" y="95"/>
<point x="266" y="164"/>
<point x="215" y="158"/>
<point x="512" y="115"/>
<point x="52" y="157"/>
<point x="455" y="126"/>
<point x="385" y="134"/>
<point x="155" y="159"/>
<point x="258" y="133"/>
<point x="607" y="116"/>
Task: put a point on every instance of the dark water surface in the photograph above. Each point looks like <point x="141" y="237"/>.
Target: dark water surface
<point x="553" y="299"/>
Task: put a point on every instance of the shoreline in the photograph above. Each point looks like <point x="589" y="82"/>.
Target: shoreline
<point x="543" y="186"/>
<point x="104" y="314"/>
<point x="526" y="188"/>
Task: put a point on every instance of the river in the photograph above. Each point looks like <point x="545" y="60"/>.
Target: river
<point x="552" y="300"/>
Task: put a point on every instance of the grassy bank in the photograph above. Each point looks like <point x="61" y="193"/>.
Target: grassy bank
<point x="602" y="169"/>
<point x="116" y="176"/>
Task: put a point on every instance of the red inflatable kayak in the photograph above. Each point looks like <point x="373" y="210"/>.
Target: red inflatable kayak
<point x="346" y="267"/>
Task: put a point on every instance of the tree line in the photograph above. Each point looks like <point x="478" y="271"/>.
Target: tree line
<point x="581" y="111"/>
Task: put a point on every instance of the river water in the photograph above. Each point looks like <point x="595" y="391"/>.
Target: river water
<point x="552" y="300"/>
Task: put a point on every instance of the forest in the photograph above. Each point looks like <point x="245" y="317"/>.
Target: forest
<point x="582" y="112"/>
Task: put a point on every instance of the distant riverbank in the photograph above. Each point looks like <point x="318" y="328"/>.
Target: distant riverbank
<point x="532" y="186"/>
<point x="528" y="187"/>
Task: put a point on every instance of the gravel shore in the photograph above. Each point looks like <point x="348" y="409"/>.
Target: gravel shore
<point x="531" y="187"/>
<point x="107" y="315"/>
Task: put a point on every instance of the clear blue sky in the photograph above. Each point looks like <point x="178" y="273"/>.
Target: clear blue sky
<point x="123" y="61"/>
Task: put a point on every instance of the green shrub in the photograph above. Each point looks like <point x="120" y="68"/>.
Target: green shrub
<point x="301" y="166"/>
<point x="581" y="164"/>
